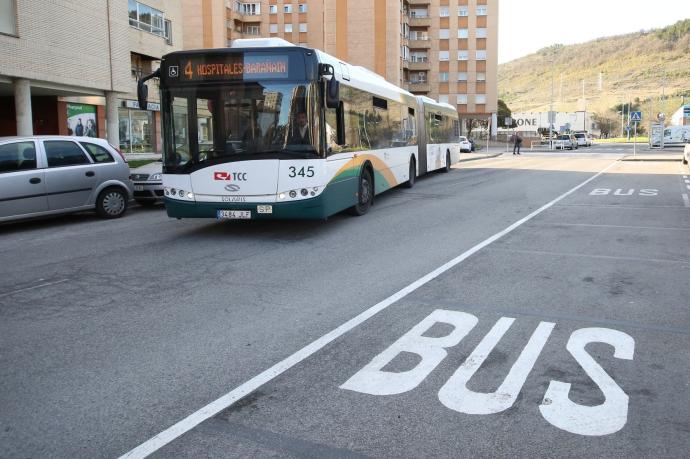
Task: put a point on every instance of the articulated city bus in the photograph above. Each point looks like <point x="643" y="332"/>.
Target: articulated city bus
<point x="266" y="129"/>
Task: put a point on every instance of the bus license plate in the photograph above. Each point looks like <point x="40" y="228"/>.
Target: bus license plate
<point x="234" y="214"/>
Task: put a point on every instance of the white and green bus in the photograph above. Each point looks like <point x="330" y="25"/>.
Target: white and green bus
<point x="266" y="129"/>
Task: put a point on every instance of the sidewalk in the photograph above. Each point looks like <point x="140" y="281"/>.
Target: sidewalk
<point x="139" y="156"/>
<point x="490" y="152"/>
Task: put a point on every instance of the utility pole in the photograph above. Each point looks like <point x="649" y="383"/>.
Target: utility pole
<point x="584" y="113"/>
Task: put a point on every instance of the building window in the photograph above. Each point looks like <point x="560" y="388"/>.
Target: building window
<point x="8" y="13"/>
<point x="462" y="76"/>
<point x="419" y="57"/>
<point x="272" y="9"/>
<point x="481" y="10"/>
<point x="463" y="11"/>
<point x="302" y="27"/>
<point x="481" y="32"/>
<point x="443" y="55"/>
<point x="481" y="76"/>
<point x="168" y="32"/>
<point x="405" y="52"/>
<point x="462" y="55"/>
<point x="145" y="18"/>
<point x="418" y="77"/>
<point x="418" y="35"/>
<point x="287" y="8"/>
<point x="480" y="99"/>
<point x="462" y="99"/>
<point x="463" y="33"/>
<point x="302" y="8"/>
<point x="443" y="12"/>
<point x="252" y="30"/>
<point x="443" y="33"/>
<point x="419" y="13"/>
<point x="273" y="28"/>
<point x="443" y="77"/>
<point x="443" y="98"/>
<point x="481" y="55"/>
<point x="250" y="9"/>
<point x="288" y="28"/>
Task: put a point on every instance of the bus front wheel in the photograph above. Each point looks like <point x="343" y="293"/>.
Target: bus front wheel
<point x="365" y="193"/>
<point x="412" y="174"/>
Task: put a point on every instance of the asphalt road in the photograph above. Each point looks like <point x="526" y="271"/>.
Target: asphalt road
<point x="566" y="334"/>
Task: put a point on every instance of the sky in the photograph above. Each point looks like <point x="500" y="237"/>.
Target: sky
<point x="526" y="26"/>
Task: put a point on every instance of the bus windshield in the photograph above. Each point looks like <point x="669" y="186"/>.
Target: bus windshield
<point x="213" y="124"/>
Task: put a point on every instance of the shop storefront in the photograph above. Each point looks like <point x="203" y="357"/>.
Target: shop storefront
<point x="139" y="128"/>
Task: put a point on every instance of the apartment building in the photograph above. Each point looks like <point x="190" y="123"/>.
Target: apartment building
<point x="71" y="67"/>
<point x="444" y="49"/>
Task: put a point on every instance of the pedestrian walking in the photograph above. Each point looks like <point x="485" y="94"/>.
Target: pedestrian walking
<point x="517" y="142"/>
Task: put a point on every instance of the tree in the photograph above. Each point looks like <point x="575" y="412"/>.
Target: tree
<point x="502" y="113"/>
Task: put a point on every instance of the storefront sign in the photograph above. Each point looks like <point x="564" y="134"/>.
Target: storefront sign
<point x="154" y="107"/>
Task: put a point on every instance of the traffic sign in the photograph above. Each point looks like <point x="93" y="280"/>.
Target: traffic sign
<point x="635" y="117"/>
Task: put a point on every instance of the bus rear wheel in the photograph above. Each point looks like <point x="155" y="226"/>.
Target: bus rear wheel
<point x="365" y="193"/>
<point x="447" y="166"/>
<point x="412" y="174"/>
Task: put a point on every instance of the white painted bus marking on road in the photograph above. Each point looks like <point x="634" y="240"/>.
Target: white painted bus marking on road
<point x="686" y="200"/>
<point x="372" y="380"/>
<point x="623" y="192"/>
<point x="556" y="406"/>
<point x="455" y="394"/>
<point x="604" y="419"/>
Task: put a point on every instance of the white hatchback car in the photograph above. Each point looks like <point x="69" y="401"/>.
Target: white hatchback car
<point x="46" y="175"/>
<point x="465" y="145"/>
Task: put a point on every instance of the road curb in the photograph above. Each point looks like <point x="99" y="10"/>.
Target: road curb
<point x="479" y="157"/>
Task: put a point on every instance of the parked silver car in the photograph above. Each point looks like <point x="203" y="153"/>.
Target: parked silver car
<point x="148" y="183"/>
<point x="45" y="175"/>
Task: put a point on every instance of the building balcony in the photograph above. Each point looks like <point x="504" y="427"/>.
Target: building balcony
<point x="420" y="21"/>
<point x="419" y="65"/>
<point x="421" y="86"/>
<point x="419" y="43"/>
<point x="418" y="2"/>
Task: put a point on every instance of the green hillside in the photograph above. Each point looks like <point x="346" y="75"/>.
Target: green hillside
<point x="637" y="65"/>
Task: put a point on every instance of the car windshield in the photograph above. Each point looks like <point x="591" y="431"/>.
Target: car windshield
<point x="580" y="136"/>
<point x="248" y="120"/>
<point x="563" y="137"/>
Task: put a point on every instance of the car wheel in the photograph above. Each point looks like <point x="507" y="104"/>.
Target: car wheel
<point x="412" y="174"/>
<point x="111" y="203"/>
<point x="365" y="193"/>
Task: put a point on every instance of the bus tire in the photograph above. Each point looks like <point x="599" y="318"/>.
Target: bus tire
<point x="413" y="174"/>
<point x="365" y="193"/>
<point x="446" y="168"/>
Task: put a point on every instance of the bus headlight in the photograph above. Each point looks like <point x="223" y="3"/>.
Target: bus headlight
<point x="190" y="195"/>
<point x="304" y="192"/>
<point x="293" y="194"/>
<point x="281" y="196"/>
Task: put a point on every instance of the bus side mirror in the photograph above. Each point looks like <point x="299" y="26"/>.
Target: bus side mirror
<point x="143" y="90"/>
<point x="332" y="86"/>
<point x="333" y="93"/>
<point x="142" y="95"/>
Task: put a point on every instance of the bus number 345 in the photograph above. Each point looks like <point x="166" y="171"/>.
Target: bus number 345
<point x="302" y="171"/>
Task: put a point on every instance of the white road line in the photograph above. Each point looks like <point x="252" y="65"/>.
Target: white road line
<point x="185" y="425"/>
<point x="686" y="200"/>
<point x="33" y="287"/>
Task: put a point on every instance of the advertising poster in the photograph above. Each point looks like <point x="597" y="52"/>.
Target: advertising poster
<point x="81" y="120"/>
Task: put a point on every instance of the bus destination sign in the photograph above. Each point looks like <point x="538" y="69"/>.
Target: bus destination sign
<point x="234" y="67"/>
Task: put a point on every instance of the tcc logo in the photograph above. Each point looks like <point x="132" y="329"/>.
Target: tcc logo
<point x="230" y="176"/>
<point x="232" y="187"/>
